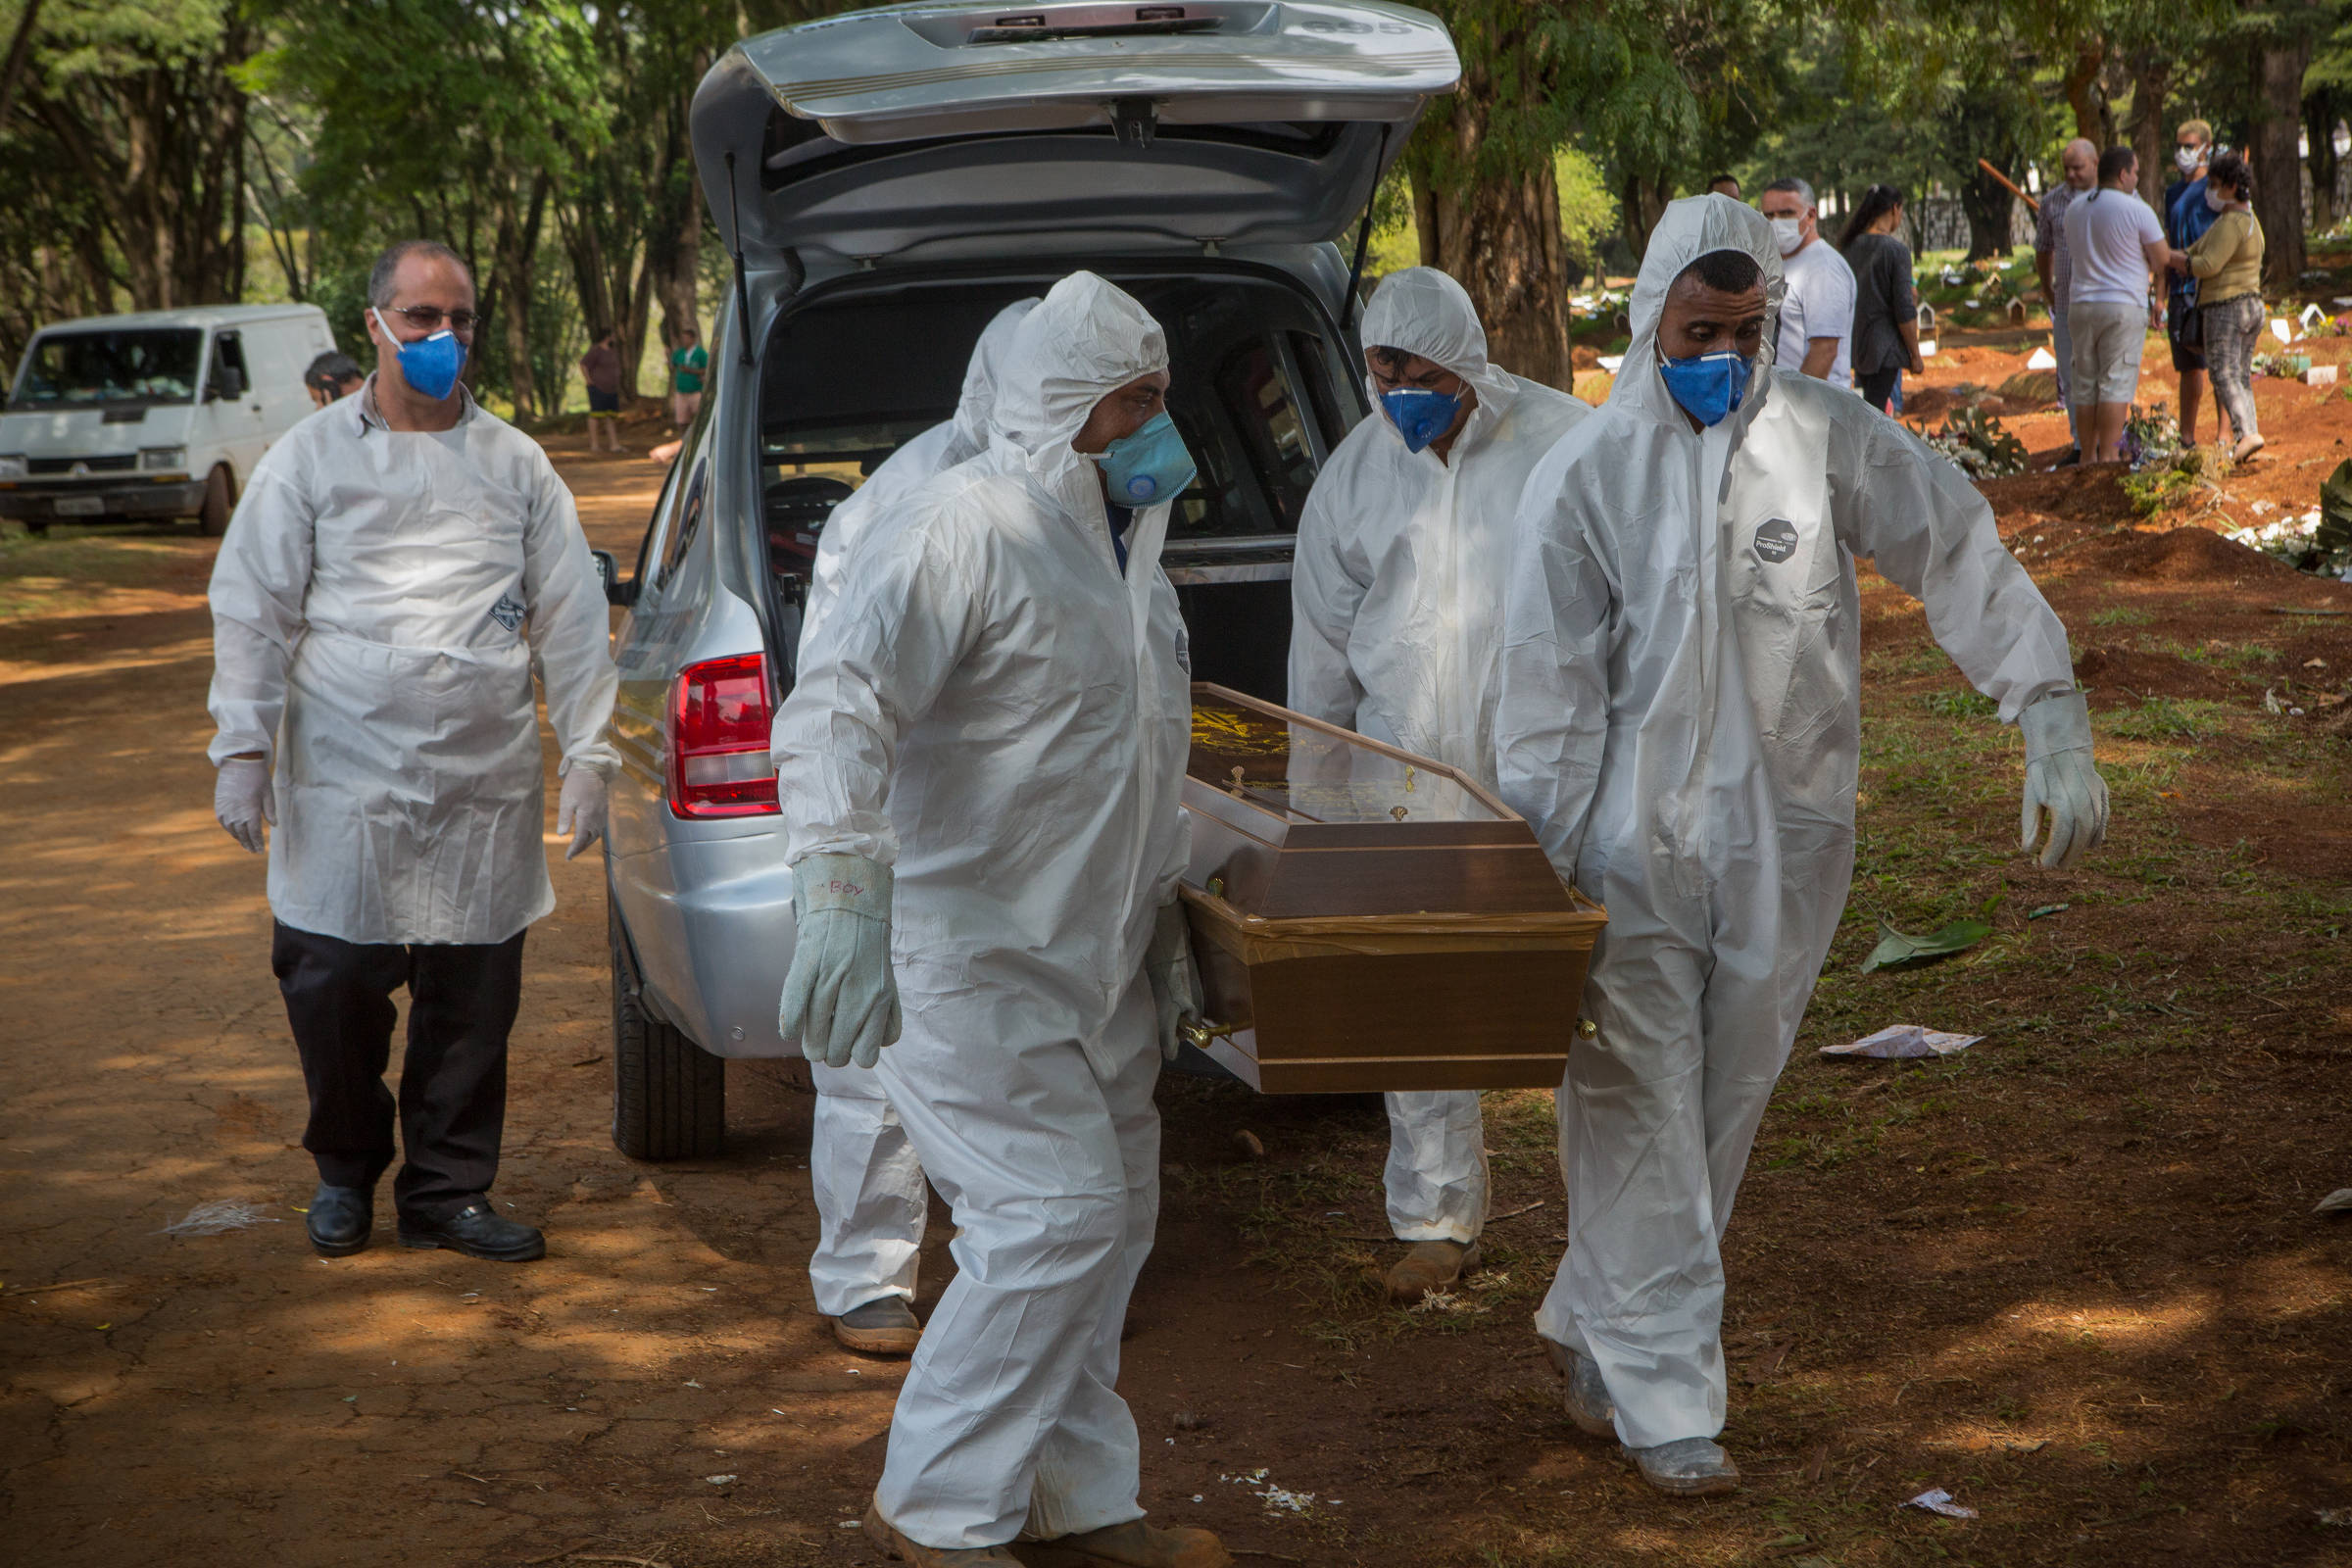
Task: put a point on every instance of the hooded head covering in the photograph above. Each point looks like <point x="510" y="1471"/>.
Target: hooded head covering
<point x="1084" y="340"/>
<point x="980" y="378"/>
<point x="1423" y="311"/>
<point x="1694" y="226"/>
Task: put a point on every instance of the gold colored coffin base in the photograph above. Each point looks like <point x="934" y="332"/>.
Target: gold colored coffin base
<point x="1356" y="1003"/>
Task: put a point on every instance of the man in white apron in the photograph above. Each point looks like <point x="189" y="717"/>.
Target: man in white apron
<point x="399" y="563"/>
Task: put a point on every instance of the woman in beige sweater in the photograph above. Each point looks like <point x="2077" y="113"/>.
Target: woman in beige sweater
<point x="2227" y="263"/>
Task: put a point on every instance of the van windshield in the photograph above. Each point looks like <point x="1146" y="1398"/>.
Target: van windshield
<point x="91" y="370"/>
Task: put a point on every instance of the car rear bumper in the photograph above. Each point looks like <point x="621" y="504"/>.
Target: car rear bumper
<point x="711" y="921"/>
<point x="33" y="501"/>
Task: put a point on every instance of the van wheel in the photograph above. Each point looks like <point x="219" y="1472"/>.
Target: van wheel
<point x="37" y="528"/>
<point x="669" y="1095"/>
<point x="213" y="520"/>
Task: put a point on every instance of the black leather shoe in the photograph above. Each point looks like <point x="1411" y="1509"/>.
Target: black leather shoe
<point x="477" y="1233"/>
<point x="340" y="1220"/>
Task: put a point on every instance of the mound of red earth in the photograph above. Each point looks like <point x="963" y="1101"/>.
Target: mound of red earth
<point x="2122" y="676"/>
<point x="2188" y="553"/>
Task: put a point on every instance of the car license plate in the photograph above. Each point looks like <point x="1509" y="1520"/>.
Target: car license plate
<point x="80" y="506"/>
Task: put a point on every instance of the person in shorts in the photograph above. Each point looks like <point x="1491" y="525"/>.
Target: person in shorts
<point x="2116" y="247"/>
<point x="600" y="368"/>
<point x="2187" y="218"/>
<point x="687" y="362"/>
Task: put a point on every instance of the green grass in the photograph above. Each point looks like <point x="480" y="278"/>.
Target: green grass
<point x="2121" y="615"/>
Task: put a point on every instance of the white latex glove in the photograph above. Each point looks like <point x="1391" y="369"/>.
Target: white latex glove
<point x="2061" y="779"/>
<point x="580" y="809"/>
<point x="840" y="998"/>
<point x="1175" y="978"/>
<point x="243" y="800"/>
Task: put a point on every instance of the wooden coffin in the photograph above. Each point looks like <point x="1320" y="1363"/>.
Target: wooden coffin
<point x="1366" y="919"/>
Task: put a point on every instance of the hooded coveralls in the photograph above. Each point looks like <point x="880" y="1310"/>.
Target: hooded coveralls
<point x="999" y="710"/>
<point x="380" y="602"/>
<point x="872" y="1198"/>
<point x="1397" y="631"/>
<point x="1680" y="719"/>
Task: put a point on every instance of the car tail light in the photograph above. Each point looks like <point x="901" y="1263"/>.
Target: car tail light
<point x="719" y="722"/>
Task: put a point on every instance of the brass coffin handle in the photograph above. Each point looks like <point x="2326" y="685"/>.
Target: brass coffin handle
<point x="1198" y="1032"/>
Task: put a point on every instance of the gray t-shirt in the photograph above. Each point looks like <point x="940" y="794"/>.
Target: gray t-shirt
<point x="1883" y="301"/>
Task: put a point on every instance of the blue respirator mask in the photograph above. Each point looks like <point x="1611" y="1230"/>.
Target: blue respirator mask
<point x="1148" y="467"/>
<point x="1420" y="415"/>
<point x="429" y="363"/>
<point x="1708" y="386"/>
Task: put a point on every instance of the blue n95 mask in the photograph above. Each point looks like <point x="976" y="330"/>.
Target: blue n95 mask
<point x="429" y="363"/>
<point x="1708" y="386"/>
<point x="1149" y="465"/>
<point x="1420" y="415"/>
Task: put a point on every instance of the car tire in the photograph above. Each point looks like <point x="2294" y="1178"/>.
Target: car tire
<point x="669" y="1095"/>
<point x="37" y="528"/>
<point x="213" y="520"/>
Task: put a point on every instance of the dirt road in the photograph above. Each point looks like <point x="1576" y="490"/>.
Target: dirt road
<point x="2071" y="1276"/>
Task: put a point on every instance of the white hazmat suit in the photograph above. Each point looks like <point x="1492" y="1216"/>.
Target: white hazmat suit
<point x="1397" y="633"/>
<point x="997" y="711"/>
<point x="1681" y="718"/>
<point x="872" y="1198"/>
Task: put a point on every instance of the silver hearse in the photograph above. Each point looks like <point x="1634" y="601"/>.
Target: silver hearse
<point x="886" y="181"/>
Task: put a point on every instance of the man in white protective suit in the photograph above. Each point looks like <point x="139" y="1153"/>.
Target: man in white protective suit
<point x="872" y="1198"/>
<point x="397" y="565"/>
<point x="979" y="781"/>
<point x="1680" y="719"/>
<point x="1397" y="631"/>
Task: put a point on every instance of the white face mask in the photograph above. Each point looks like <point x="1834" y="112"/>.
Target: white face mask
<point x="1790" y="234"/>
<point x="2189" y="158"/>
<point x="2215" y="201"/>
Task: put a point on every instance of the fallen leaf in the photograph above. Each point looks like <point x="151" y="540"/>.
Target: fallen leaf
<point x="1895" y="950"/>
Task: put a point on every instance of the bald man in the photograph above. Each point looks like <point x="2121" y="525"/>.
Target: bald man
<point x="2080" y="162"/>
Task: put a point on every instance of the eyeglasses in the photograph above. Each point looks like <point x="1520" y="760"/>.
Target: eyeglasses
<point x="430" y="318"/>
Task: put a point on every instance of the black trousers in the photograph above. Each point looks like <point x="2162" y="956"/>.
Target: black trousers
<point x="463" y="998"/>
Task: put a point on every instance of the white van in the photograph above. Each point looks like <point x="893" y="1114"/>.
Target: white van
<point x="158" y="414"/>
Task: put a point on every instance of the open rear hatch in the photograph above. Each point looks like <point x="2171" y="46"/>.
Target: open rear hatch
<point x="913" y="129"/>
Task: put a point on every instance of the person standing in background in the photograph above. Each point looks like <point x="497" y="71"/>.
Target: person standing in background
<point x="600" y="368"/>
<point x="331" y="377"/>
<point x="1886" y="332"/>
<point x="2118" y="248"/>
<point x="687" y="362"/>
<point x="2187" y="218"/>
<point x="400" y="566"/>
<point x="1724" y="185"/>
<point x="2053" y="262"/>
<point x="1817" y="315"/>
<point x="2227" y="265"/>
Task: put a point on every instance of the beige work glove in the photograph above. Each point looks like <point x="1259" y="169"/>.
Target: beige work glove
<point x="840" y="998"/>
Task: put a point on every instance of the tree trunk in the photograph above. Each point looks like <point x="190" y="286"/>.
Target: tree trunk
<point x="2082" y="93"/>
<point x="1502" y="242"/>
<point x="1985" y="202"/>
<point x="513" y="288"/>
<point x="19" y="51"/>
<point x="2151" y="76"/>
<point x="2278" y="161"/>
<point x="676" y="245"/>
<point x="1641" y="202"/>
<point x="2320" y="111"/>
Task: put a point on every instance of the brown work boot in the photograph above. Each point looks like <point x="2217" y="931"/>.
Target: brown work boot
<point x="1430" y="1267"/>
<point x="897" y="1549"/>
<point x="884" y="1326"/>
<point x="1133" y="1545"/>
<point x="1582" y="1393"/>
